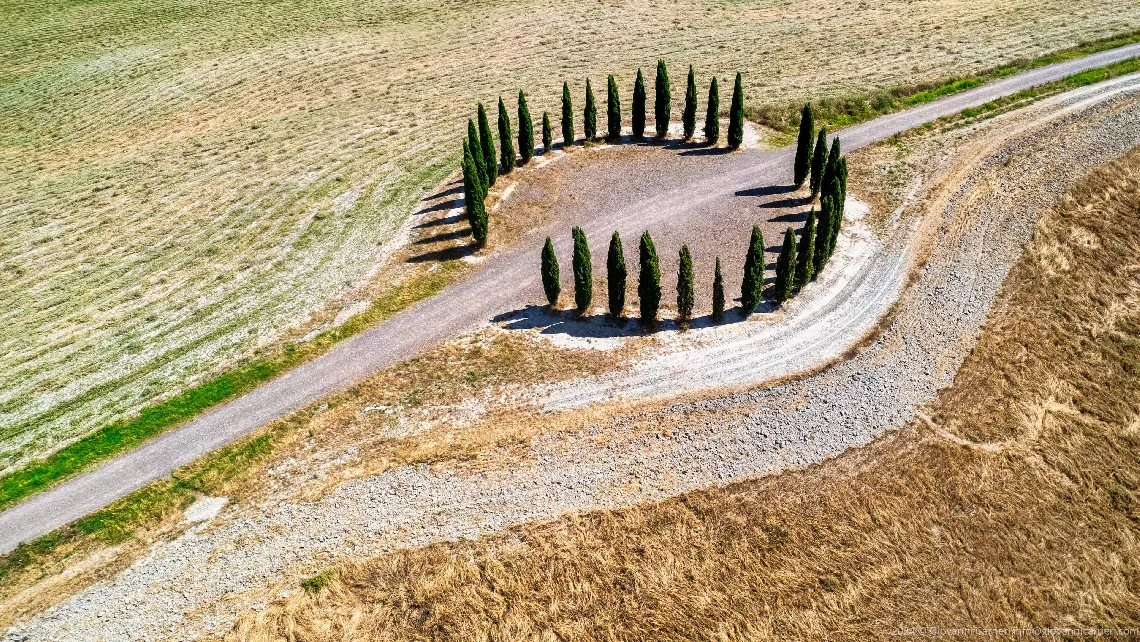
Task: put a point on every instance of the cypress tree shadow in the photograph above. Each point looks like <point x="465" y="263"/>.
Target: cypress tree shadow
<point x="767" y="190"/>
<point x="446" y="220"/>
<point x="456" y="189"/>
<point x="444" y="236"/>
<point x="782" y="203"/>
<point x="702" y="150"/>
<point x="602" y="326"/>
<point x="446" y="254"/>
<point x="792" y="217"/>
<point x="440" y="206"/>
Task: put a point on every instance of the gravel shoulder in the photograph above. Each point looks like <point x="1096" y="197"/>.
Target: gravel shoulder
<point x="987" y="189"/>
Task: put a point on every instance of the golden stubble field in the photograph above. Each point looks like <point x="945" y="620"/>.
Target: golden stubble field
<point x="183" y="182"/>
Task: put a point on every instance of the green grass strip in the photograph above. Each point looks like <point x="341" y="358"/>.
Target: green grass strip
<point x="124" y="435"/>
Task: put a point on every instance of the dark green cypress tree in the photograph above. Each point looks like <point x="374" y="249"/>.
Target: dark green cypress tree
<point x="752" y="286"/>
<point x="567" y="118"/>
<point x="718" y="294"/>
<point x="736" y="116"/>
<point x="805" y="254"/>
<point x="685" y="284"/>
<point x="487" y="145"/>
<point x="689" y="116"/>
<point x="823" y="231"/>
<point x="506" y="140"/>
<point x="836" y="221"/>
<point x="818" y="160"/>
<point x="526" y="131"/>
<point x="583" y="272"/>
<point x="613" y="110"/>
<point x="473" y="197"/>
<point x="803" y="150"/>
<point x="638" y="115"/>
<point x="662" y="104"/>
<point x="550" y="274"/>
<point x="842" y="184"/>
<point x="712" y="114"/>
<point x="590" y="114"/>
<point x="829" y="183"/>
<point x="786" y="267"/>
<point x="649" y="281"/>
<point x="477" y="217"/>
<point x="615" y="276"/>
<point x="477" y="153"/>
<point x="547" y="135"/>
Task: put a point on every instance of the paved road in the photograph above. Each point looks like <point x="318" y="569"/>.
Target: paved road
<point x="505" y="283"/>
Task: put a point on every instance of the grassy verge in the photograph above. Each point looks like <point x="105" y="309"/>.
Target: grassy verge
<point x="121" y="436"/>
<point x="841" y="111"/>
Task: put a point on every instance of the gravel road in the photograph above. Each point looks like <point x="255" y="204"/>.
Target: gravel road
<point x="505" y="283"/>
<point x="198" y="584"/>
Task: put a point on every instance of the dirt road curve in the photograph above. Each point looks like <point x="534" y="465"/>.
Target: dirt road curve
<point x="505" y="283"/>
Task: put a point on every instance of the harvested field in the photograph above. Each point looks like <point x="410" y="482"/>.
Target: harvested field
<point x="1014" y="508"/>
<point x="254" y="553"/>
<point x="183" y="183"/>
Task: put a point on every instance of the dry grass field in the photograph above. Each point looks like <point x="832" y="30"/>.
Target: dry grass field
<point x="1014" y="505"/>
<point x="181" y="183"/>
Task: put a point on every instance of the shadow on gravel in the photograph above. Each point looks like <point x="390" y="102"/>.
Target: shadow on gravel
<point x="442" y="205"/>
<point x="767" y="190"/>
<point x="601" y="326"/>
<point x="782" y="203"/>
<point x="792" y="217"/>
<point x="457" y="189"/>
<point x="446" y="220"/>
<point x="445" y="236"/>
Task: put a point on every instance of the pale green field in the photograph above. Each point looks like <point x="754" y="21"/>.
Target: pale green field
<point x="183" y="181"/>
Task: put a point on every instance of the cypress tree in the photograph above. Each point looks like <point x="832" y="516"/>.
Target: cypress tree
<point x="718" y="294"/>
<point x="550" y="276"/>
<point x="590" y="115"/>
<point x="842" y="184"/>
<point x="487" y="145"/>
<point x="736" y="116"/>
<point x="662" y="105"/>
<point x="805" y="254"/>
<point x="526" y="131"/>
<point x="822" y="232"/>
<point x="613" y="110"/>
<point x="567" y="118"/>
<point x="685" y="284"/>
<point x="712" y="114"/>
<point x="477" y="154"/>
<point x="818" y="159"/>
<point x="829" y="183"/>
<point x="689" y="116"/>
<point x="836" y="221"/>
<point x="786" y="267"/>
<point x="583" y="272"/>
<point x="649" y="281"/>
<point x="547" y="135"/>
<point x="473" y="195"/>
<point x="803" y="150"/>
<point x="506" y="144"/>
<point x="752" y="286"/>
<point x="615" y="277"/>
<point x="639" y="107"/>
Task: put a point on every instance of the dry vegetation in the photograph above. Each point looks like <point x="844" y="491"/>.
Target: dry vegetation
<point x="182" y="182"/>
<point x="1016" y="506"/>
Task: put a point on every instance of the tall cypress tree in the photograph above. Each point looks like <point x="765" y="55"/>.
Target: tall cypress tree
<point x="649" y="281"/>
<point x="613" y="110"/>
<point x="786" y="267"/>
<point x="487" y="145"/>
<point x="842" y="184"/>
<point x="547" y="135"/>
<point x="818" y="160"/>
<point x="736" y="116"/>
<point x="583" y="272"/>
<point x="718" y="294"/>
<point x="567" y="118"/>
<point x="590" y="114"/>
<point x="615" y="276"/>
<point x="472" y="189"/>
<point x="638" y="115"/>
<point x="689" y="116"/>
<point x="662" y="105"/>
<point x="829" y="183"/>
<point x="506" y="143"/>
<point x="803" y="150"/>
<point x="836" y="221"/>
<point x="823" y="231"/>
<point x="477" y="153"/>
<point x="712" y="114"/>
<point x="685" y="284"/>
<point x="805" y="254"/>
<point x="526" y="131"/>
<point x="752" y="286"/>
<point x="550" y="276"/>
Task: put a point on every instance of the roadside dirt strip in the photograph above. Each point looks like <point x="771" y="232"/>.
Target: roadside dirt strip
<point x="990" y="186"/>
<point x="505" y="283"/>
